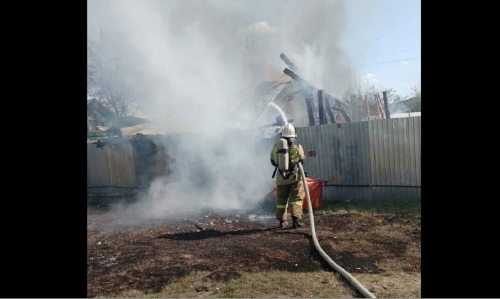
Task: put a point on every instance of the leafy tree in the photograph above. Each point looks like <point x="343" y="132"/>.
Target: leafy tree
<point x="110" y="72"/>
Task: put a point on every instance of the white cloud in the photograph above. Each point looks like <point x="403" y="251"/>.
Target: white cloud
<point x="404" y="62"/>
<point x="258" y="28"/>
<point x="368" y="78"/>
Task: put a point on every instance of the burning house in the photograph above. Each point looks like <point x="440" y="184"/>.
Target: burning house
<point x="290" y="96"/>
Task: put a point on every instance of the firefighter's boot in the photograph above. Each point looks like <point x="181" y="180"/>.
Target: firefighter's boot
<point x="283" y="224"/>
<point x="296" y="222"/>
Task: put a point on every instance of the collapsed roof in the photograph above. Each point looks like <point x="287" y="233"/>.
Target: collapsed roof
<point x="288" y="99"/>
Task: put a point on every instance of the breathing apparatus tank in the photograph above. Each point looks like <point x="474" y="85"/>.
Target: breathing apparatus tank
<point x="283" y="155"/>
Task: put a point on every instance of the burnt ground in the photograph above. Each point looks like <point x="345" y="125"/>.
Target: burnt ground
<point x="148" y="256"/>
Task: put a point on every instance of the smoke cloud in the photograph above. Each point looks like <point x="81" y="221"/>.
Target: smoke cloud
<point x="193" y="58"/>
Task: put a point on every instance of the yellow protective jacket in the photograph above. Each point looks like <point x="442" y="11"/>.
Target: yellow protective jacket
<point x="295" y="154"/>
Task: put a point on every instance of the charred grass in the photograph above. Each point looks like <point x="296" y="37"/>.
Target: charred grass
<point x="229" y="257"/>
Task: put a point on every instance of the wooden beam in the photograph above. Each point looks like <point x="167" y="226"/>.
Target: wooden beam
<point x="288" y="62"/>
<point x="296" y="77"/>
<point x="344" y="114"/>
<point x="309" y="104"/>
<point x="328" y="109"/>
<point x="386" y="105"/>
<point x="309" y="86"/>
<point x="341" y="110"/>
<point x="321" y="108"/>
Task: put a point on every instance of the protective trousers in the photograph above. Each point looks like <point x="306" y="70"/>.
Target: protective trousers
<point x="292" y="194"/>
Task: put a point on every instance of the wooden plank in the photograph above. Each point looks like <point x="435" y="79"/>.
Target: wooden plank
<point x="321" y="108"/>
<point x="386" y="105"/>
<point x="309" y="104"/>
<point x="288" y="62"/>
<point x="328" y="108"/>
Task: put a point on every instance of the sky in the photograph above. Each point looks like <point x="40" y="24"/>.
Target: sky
<point x="190" y="58"/>
<point x="385" y="43"/>
<point x="226" y="45"/>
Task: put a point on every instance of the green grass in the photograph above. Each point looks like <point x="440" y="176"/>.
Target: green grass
<point x="265" y="284"/>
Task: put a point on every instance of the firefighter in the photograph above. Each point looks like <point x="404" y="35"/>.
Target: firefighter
<point x="289" y="186"/>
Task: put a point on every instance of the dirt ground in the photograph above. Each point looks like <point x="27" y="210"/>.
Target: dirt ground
<point x="149" y="256"/>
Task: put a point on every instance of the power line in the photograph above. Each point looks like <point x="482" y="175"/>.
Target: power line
<point x="388" y="61"/>
<point x="386" y="54"/>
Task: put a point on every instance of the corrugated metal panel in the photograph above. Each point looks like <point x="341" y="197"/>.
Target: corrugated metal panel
<point x="97" y="166"/>
<point x="110" y="170"/>
<point x="365" y="160"/>
<point x="392" y="154"/>
<point x="121" y="164"/>
<point x="341" y="157"/>
<point x="162" y="162"/>
<point x="372" y="160"/>
<point x="358" y="153"/>
<point x="378" y="156"/>
<point x="162" y="159"/>
<point x="365" y="172"/>
<point x="416" y="122"/>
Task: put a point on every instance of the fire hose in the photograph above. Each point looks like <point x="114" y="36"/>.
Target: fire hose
<point x="336" y="267"/>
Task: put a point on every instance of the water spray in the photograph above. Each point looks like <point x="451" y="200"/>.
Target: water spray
<point x="280" y="111"/>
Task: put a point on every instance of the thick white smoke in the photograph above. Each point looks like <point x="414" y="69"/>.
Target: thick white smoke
<point x="192" y="58"/>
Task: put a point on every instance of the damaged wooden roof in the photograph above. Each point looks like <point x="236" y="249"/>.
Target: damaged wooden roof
<point x="257" y="109"/>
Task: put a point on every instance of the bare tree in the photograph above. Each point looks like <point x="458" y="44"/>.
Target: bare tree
<point x="354" y="96"/>
<point x="364" y="104"/>
<point x="417" y="105"/>
<point x="110" y="73"/>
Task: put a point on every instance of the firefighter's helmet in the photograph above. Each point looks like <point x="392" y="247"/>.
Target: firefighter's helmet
<point x="288" y="131"/>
